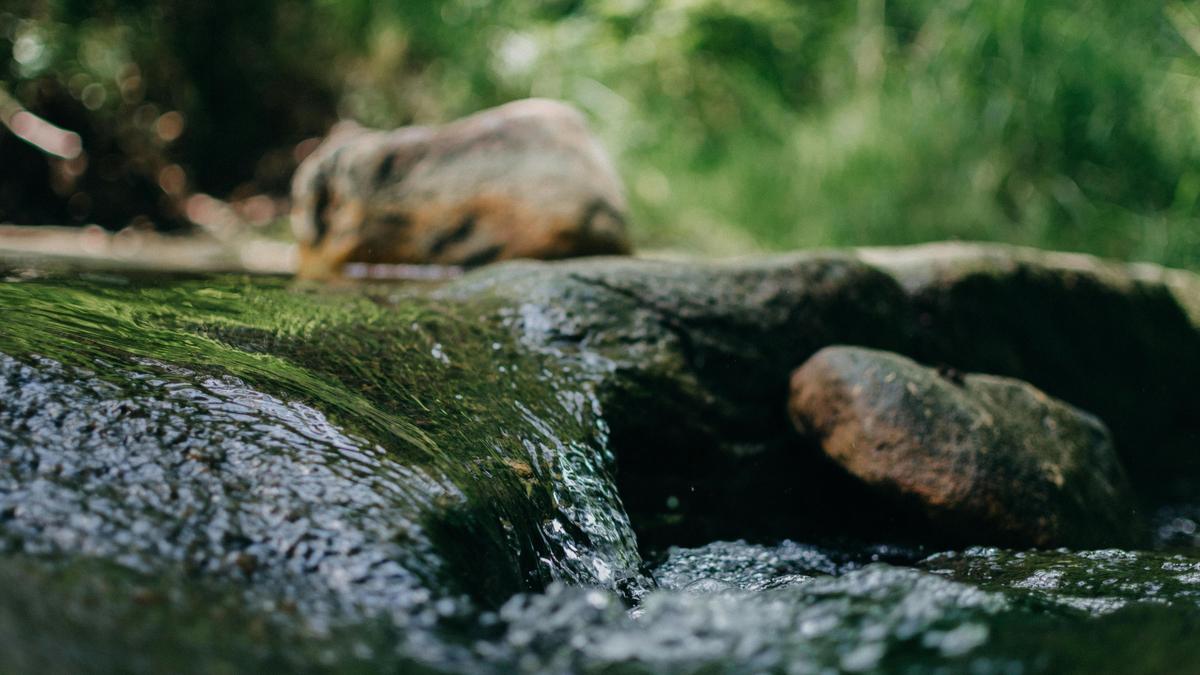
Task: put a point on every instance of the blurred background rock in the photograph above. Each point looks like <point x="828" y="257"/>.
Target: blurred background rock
<point x="738" y="125"/>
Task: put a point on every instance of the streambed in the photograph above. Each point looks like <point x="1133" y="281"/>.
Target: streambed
<point x="560" y="468"/>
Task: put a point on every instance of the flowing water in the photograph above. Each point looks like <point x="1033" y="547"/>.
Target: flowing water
<point x="203" y="475"/>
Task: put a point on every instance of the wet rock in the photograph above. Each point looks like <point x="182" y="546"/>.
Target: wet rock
<point x="692" y="362"/>
<point x="985" y="458"/>
<point x="1096" y="583"/>
<point x="874" y="619"/>
<point x="1117" y="340"/>
<point x="709" y="346"/>
<point x="595" y="397"/>
<point x="524" y="180"/>
<point x="368" y="458"/>
<point x="405" y="458"/>
<point x="746" y="566"/>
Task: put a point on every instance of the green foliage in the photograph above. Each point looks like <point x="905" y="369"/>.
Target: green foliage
<point x="738" y="125"/>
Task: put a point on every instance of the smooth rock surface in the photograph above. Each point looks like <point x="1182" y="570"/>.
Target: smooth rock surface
<point x="986" y="459"/>
<point x="523" y="180"/>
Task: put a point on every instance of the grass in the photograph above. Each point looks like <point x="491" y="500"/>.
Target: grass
<point x="766" y="125"/>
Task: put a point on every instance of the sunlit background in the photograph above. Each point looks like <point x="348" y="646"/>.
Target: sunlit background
<point x="738" y="125"/>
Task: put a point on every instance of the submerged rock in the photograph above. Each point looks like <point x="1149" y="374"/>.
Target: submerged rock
<point x="985" y="458"/>
<point x="523" y="180"/>
<point x="1097" y="582"/>
<point x="975" y="611"/>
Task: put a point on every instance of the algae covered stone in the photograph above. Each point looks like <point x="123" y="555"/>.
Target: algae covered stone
<point x="985" y="458"/>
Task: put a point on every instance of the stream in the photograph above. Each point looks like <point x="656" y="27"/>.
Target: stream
<point x="213" y="474"/>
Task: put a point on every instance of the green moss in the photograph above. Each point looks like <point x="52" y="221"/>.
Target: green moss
<point x="440" y="386"/>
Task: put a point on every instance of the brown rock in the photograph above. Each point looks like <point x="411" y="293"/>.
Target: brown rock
<point x="1120" y="341"/>
<point x="523" y="180"/>
<point x="986" y="459"/>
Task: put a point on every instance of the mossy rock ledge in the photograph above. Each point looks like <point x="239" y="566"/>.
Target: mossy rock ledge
<point x="199" y="461"/>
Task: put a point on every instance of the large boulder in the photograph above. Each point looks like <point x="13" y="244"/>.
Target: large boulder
<point x="986" y="459"/>
<point x="323" y="442"/>
<point x="709" y="347"/>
